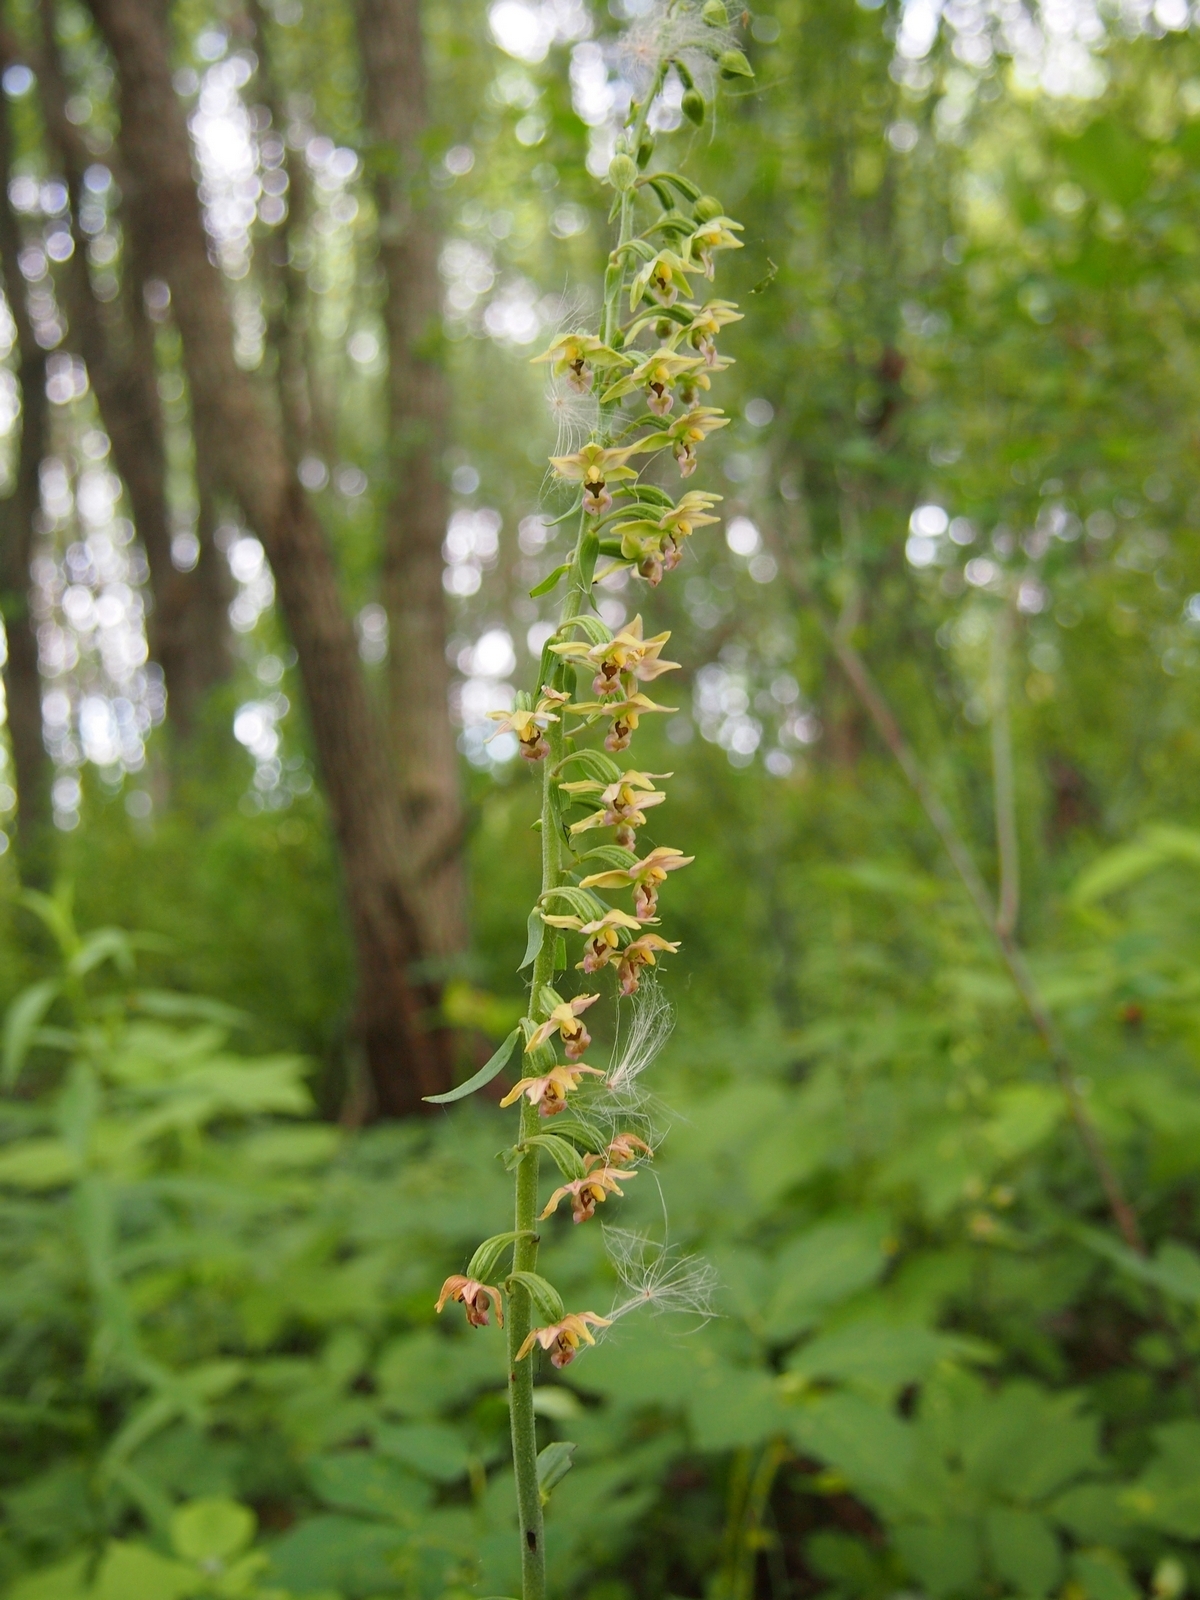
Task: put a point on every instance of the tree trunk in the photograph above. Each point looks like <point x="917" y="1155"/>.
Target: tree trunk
<point x="390" y="46"/>
<point x="238" y="433"/>
<point x="188" y="625"/>
<point x="22" y="682"/>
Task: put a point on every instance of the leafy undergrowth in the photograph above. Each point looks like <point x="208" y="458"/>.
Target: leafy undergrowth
<point x="933" y="1366"/>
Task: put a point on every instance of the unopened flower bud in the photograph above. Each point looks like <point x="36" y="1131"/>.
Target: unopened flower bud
<point x="715" y="14"/>
<point x="645" y="151"/>
<point x="733" y="64"/>
<point x="707" y="207"/>
<point x="622" y="173"/>
<point x="693" y="106"/>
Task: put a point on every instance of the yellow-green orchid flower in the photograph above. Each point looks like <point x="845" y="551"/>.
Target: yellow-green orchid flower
<point x="657" y="546"/>
<point x="476" y="1299"/>
<point x="530" y="723"/>
<point x="624" y="803"/>
<point x="657" y="374"/>
<point x="602" y="935"/>
<point x="625" y="1147"/>
<point x="595" y="466"/>
<point x="565" y="1018"/>
<point x="717" y="234"/>
<point x="549" y="1091"/>
<point x="625" y="714"/>
<point x="587" y="1193"/>
<point x="563" y="1339"/>
<point x="622" y="660"/>
<point x="701" y="333"/>
<point x="665" y="278"/>
<point x="686" y="432"/>
<point x="576" y="356"/>
<point x="644" y="876"/>
<point x="637" y="954"/>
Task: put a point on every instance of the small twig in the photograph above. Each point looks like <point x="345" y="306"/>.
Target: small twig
<point x="956" y="848"/>
<point x="1008" y="849"/>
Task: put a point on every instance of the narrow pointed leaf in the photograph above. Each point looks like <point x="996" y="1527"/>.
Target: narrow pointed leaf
<point x="550" y="581"/>
<point x="486" y="1073"/>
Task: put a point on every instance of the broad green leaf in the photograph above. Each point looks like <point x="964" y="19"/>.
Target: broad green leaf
<point x="828" y="1263"/>
<point x="63" y="1581"/>
<point x="1103" y="1575"/>
<point x="369" y="1484"/>
<point x="1025" y="1116"/>
<point x="865" y="1443"/>
<point x="346" y="1554"/>
<point x="1167" y="1494"/>
<point x="944" y="1556"/>
<point x="730" y="1407"/>
<point x="133" y="1572"/>
<point x="431" y="1448"/>
<point x="881" y="1355"/>
<point x="38" y="1164"/>
<point x="212" y="1529"/>
<point x="1023" y="1550"/>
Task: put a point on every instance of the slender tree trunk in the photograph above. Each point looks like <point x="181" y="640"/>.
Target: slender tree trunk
<point x="22" y="683"/>
<point x="390" y="45"/>
<point x="188" y="625"/>
<point x="240" y="435"/>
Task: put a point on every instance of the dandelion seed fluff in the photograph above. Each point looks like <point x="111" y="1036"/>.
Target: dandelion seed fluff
<point x="658" y="1276"/>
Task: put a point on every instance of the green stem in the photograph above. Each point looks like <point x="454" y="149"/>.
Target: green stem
<point x="525" y="1251"/>
<point x="520" y="1374"/>
<point x="613" y="300"/>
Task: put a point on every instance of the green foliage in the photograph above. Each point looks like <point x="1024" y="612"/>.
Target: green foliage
<point x="935" y="1368"/>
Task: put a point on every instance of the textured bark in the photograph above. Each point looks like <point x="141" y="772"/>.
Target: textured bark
<point x="390" y="46"/>
<point x="188" y="625"/>
<point x="22" y="683"/>
<point x="240" y="435"/>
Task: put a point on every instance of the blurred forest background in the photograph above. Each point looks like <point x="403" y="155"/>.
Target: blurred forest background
<point x="274" y="460"/>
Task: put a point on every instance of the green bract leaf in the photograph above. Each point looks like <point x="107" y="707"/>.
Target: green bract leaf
<point x="589" y="549"/>
<point x="595" y="763"/>
<point x="564" y="1155"/>
<point x="610" y="855"/>
<point x="535" y="933"/>
<point x="485" y="1074"/>
<point x="583" y="903"/>
<point x="547" y="1301"/>
<point x="553" y="1464"/>
<point x="685" y="186"/>
<point x="593" y="629"/>
<point x="551" y="581"/>
<point x="487" y="1258"/>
